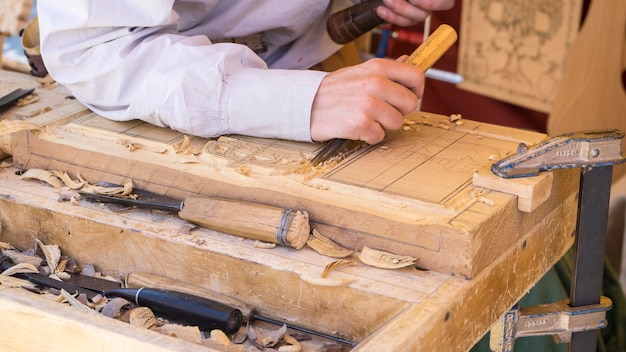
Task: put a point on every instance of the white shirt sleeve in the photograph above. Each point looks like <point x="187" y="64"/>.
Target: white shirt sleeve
<point x="134" y="64"/>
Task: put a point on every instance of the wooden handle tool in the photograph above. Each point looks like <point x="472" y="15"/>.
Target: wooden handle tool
<point x="423" y="57"/>
<point x="354" y="21"/>
<point x="250" y="220"/>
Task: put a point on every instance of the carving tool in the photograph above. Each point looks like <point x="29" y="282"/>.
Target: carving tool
<point x="207" y="314"/>
<point x="576" y="320"/>
<point x="261" y="222"/>
<point x="348" y="24"/>
<point x="423" y="57"/>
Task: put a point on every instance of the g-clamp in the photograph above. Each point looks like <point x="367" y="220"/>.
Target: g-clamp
<point x="574" y="320"/>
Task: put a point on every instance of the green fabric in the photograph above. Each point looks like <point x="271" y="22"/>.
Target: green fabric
<point x="554" y="286"/>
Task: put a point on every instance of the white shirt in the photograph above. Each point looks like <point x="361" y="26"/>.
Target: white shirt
<point x="158" y="61"/>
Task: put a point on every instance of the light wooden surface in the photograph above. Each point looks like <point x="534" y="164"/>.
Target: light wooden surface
<point x="418" y="181"/>
<point x="401" y="310"/>
<point x="591" y="94"/>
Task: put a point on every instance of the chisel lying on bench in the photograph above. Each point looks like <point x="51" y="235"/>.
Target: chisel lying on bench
<point x="250" y="220"/>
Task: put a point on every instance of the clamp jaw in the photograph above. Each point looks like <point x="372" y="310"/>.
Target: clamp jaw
<point x="570" y="150"/>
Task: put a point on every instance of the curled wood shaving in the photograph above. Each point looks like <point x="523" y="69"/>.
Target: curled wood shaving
<point x="113" y="308"/>
<point x="20" y="269"/>
<point x="71" y="299"/>
<point x="293" y="344"/>
<point x="326" y="246"/>
<point x="336" y="265"/>
<point x="182" y="147"/>
<point x="21" y="257"/>
<point x="52" y="254"/>
<point x="42" y="175"/>
<point x="29" y="99"/>
<point x="67" y="180"/>
<point x="220" y="337"/>
<point x="320" y="281"/>
<point x="142" y="317"/>
<point x="266" y="338"/>
<point x="385" y="260"/>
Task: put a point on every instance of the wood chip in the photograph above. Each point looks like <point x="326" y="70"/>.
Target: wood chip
<point x="42" y="175"/>
<point x="143" y="317"/>
<point x="20" y="269"/>
<point x="336" y="265"/>
<point x="326" y="246"/>
<point x="266" y="338"/>
<point x="385" y="260"/>
<point x="188" y="333"/>
<point x="52" y="252"/>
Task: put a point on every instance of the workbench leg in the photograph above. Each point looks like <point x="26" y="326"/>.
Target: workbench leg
<point x="590" y="248"/>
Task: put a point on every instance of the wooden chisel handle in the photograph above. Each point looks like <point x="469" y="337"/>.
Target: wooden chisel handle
<point x="250" y="220"/>
<point x="433" y="47"/>
<point x="348" y="24"/>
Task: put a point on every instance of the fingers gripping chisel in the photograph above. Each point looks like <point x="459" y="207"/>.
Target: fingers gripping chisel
<point x="423" y="57"/>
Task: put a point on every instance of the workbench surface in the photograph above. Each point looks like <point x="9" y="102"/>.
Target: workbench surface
<point x="397" y="310"/>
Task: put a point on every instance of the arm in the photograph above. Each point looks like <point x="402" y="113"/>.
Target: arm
<point x="132" y="63"/>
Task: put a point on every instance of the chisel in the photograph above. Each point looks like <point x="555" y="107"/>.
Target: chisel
<point x="348" y="24"/>
<point x="207" y="314"/>
<point x="250" y="220"/>
<point x="423" y="57"/>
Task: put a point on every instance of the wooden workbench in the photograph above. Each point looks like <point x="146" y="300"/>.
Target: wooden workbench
<point x="397" y="310"/>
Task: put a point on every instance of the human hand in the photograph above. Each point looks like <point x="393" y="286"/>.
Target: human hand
<point x="409" y="12"/>
<point x="360" y="102"/>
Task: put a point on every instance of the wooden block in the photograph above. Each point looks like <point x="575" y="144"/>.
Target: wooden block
<point x="405" y="195"/>
<point x="531" y="192"/>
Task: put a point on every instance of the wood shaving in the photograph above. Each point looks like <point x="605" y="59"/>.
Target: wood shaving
<point x="293" y="344"/>
<point x="188" y="333"/>
<point x="19" y="269"/>
<point x="42" y="175"/>
<point x="29" y="99"/>
<point x="182" y="147"/>
<point x="487" y="201"/>
<point x="266" y="338"/>
<point x="336" y="265"/>
<point x="385" y="260"/>
<point x="52" y="254"/>
<point x="455" y="117"/>
<point x="132" y="146"/>
<point x="68" y="181"/>
<point x="71" y="299"/>
<point x="326" y="246"/>
<point x="142" y="317"/>
<point x="114" y="307"/>
<point x="320" y="281"/>
<point x="264" y="245"/>
<point x="21" y="257"/>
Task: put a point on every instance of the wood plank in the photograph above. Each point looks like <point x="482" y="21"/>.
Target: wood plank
<point x="376" y="197"/>
<point x="38" y="324"/>
<point x="277" y="281"/>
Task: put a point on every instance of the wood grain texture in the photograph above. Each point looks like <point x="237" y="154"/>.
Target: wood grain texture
<point x="405" y="195"/>
<point x="381" y="309"/>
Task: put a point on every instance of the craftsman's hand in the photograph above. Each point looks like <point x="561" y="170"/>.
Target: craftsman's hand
<point x="409" y="12"/>
<point x="361" y="102"/>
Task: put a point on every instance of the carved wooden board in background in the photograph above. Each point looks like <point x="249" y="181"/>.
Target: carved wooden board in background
<point x="514" y="50"/>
